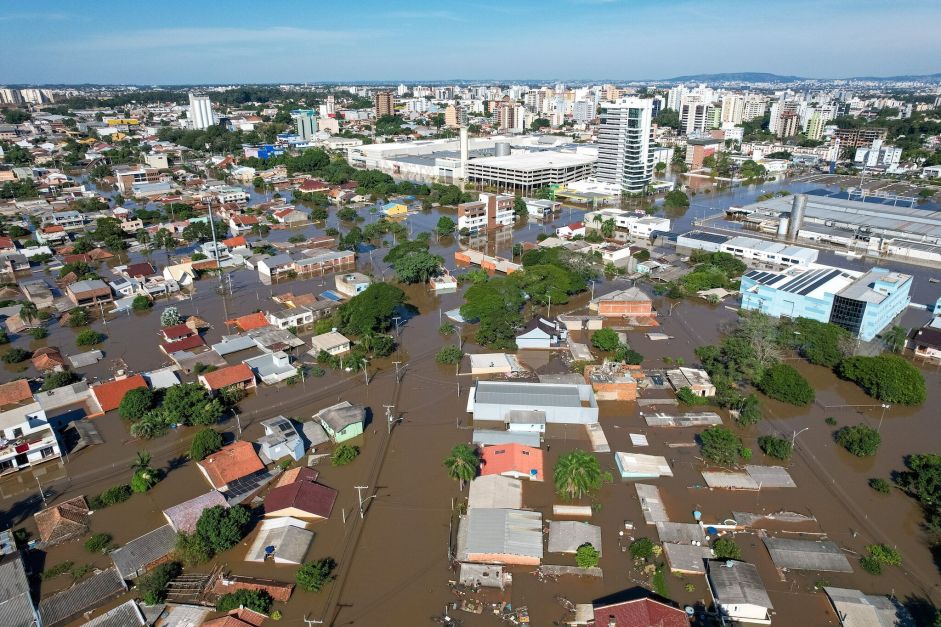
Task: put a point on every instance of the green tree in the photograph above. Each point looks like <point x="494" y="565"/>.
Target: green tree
<point x="205" y="442"/>
<point x="88" y="337"/>
<point x="141" y="303"/>
<point x="371" y="310"/>
<point x="255" y="600"/>
<point x="605" y="339"/>
<point x="344" y="454"/>
<point x="223" y="528"/>
<point x="313" y="576"/>
<point x="29" y="312"/>
<point x="894" y="338"/>
<point x="449" y="354"/>
<point x="445" y="226"/>
<point x="888" y="378"/>
<point x="726" y="548"/>
<point x="462" y="464"/>
<point x="417" y="267"/>
<point x="152" y="587"/>
<point x="144" y="477"/>
<point x="190" y="404"/>
<point x="720" y="446"/>
<point x="784" y="383"/>
<point x="587" y="556"/>
<point x="676" y="199"/>
<point x="57" y="379"/>
<point x="641" y="548"/>
<point x="170" y="317"/>
<point x="16" y="355"/>
<point x="576" y="474"/>
<point x="98" y="543"/>
<point x="774" y="446"/>
<point x="922" y="481"/>
<point x="860" y="440"/>
<point x="136" y="403"/>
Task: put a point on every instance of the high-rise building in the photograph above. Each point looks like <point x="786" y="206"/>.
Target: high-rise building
<point x="583" y="111"/>
<point x="815" y="126"/>
<point x="306" y="124"/>
<point x="200" y="114"/>
<point x="733" y="108"/>
<point x="384" y="103"/>
<point x="10" y="96"/>
<point x="328" y="108"/>
<point x="454" y="116"/>
<point x="713" y="116"/>
<point x="755" y="107"/>
<point x="784" y="120"/>
<point x="625" y="137"/>
<point x="402" y="90"/>
<point x="693" y="115"/>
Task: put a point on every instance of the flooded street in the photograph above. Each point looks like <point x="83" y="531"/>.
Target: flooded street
<point x="394" y="562"/>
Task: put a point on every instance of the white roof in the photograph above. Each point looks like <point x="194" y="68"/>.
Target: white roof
<point x="534" y="161"/>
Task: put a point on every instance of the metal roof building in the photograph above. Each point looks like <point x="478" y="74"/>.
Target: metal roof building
<point x="495" y="492"/>
<point x="500" y="536"/>
<point x="855" y="609"/>
<point x="16" y="606"/>
<point x="565" y="536"/>
<point x="816" y="555"/>
<point x="561" y="403"/>
<point x="739" y="592"/>
<point x="132" y="559"/>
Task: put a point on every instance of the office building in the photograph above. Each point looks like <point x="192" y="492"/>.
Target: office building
<point x="733" y="108"/>
<point x="488" y="212"/>
<point x="815" y="126"/>
<point x="306" y="121"/>
<point x="625" y="157"/>
<point x="200" y="113"/>
<point x="693" y="116"/>
<point x="455" y="116"/>
<point x="384" y="103"/>
<point x="862" y="303"/>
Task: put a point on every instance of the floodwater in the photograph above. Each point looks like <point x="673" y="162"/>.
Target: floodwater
<point x="393" y="563"/>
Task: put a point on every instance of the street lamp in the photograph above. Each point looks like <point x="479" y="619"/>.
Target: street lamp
<point x="882" y="417"/>
<point x="795" y="434"/>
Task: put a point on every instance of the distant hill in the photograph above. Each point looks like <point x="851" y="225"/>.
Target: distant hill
<point x="736" y="77"/>
<point x="903" y="77"/>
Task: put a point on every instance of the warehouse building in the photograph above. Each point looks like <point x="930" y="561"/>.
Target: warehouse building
<point x="561" y="403"/>
<point x="749" y="249"/>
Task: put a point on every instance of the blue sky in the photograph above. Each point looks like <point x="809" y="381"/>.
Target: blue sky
<point x="173" y="41"/>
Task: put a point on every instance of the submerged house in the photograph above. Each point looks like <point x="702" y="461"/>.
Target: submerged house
<point x="342" y="421"/>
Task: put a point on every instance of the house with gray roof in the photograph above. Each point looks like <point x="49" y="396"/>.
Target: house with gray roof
<point x="815" y="555"/>
<point x="342" y="421"/>
<point x="143" y="553"/>
<point x="87" y="594"/>
<point x="738" y="592"/>
<point x="16" y="605"/>
<point x="500" y="536"/>
<point x="125" y="615"/>
<point x="856" y="609"/>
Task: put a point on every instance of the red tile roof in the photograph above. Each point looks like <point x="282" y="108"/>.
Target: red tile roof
<point x="234" y="242"/>
<point x="251" y="321"/>
<point x="177" y="331"/>
<point x="231" y="375"/>
<point x="53" y="228"/>
<point x="6" y="242"/>
<point x="497" y="460"/>
<point x="63" y="521"/>
<point x="47" y="358"/>
<point x="233" y="462"/>
<point x="185" y="344"/>
<point x="15" y="392"/>
<point x="142" y="269"/>
<point x="309" y="497"/>
<point x="110" y="393"/>
<point x="640" y="613"/>
<point x="245" y="220"/>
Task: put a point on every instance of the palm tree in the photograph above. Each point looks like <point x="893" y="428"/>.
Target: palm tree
<point x="29" y="312"/>
<point x="576" y="474"/>
<point x="141" y="464"/>
<point x="462" y="463"/>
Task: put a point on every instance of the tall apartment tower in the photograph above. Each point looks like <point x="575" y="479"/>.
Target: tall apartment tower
<point x="384" y="103"/>
<point x="625" y="137"/>
<point x="306" y="124"/>
<point x="200" y="112"/>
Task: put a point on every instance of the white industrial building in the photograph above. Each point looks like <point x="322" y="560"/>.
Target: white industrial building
<point x="200" y="113"/>
<point x="748" y="249"/>
<point x="528" y="172"/>
<point x="561" y="403"/>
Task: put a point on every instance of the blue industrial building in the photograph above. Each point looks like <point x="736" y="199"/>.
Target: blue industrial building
<point x="862" y="303"/>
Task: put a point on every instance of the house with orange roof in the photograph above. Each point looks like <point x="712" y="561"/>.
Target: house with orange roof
<point x="108" y="395"/>
<point x="239" y="376"/>
<point x="63" y="521"/>
<point x="512" y="460"/>
<point x="231" y="463"/>
<point x="249" y="322"/>
<point x="14" y="393"/>
<point x="235" y="242"/>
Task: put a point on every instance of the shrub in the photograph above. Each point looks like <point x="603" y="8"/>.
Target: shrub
<point x="192" y="549"/>
<point x="605" y="339"/>
<point x="142" y="481"/>
<point x="628" y="355"/>
<point x="784" y="383"/>
<point x="720" y="446"/>
<point x="4" y="337"/>
<point x="687" y="397"/>
<point x="141" y="303"/>
<point x="450" y="355"/>
<point x="39" y="333"/>
<point x="88" y="337"/>
<point x="55" y="571"/>
<point x="152" y="587"/>
<point x="776" y="447"/>
<point x="255" y="600"/>
<point x="98" y="543"/>
<point x="57" y="379"/>
<point x="222" y="528"/>
<point x="885" y="554"/>
<point x="748" y="412"/>
<point x="880" y="485"/>
<point x="726" y="548"/>
<point x="870" y="565"/>
<point x="111" y="496"/>
<point x="169" y="317"/>
<point x="79" y="317"/>
<point x="205" y="442"/>
<point x="641" y="548"/>
<point x="16" y="355"/>
<point x="587" y="556"/>
<point x="344" y="454"/>
<point x="313" y="576"/>
<point x="830" y="420"/>
<point x="446" y="329"/>
<point x="888" y="378"/>
<point x="860" y="440"/>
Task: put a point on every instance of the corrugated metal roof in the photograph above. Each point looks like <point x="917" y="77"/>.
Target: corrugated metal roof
<point x="565" y="536"/>
<point x="16" y="606"/>
<point x="495" y="492"/>
<point x="503" y="531"/>
<point x="737" y="583"/>
<point x="817" y="555"/>
<point x="125" y="615"/>
<point x="84" y="595"/>
<point x="134" y="556"/>
<point x="538" y="394"/>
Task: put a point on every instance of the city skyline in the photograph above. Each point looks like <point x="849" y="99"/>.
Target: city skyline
<point x="368" y="41"/>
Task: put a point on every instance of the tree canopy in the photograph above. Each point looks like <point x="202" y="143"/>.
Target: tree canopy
<point x="888" y="378"/>
<point x="576" y="474"/>
<point x="371" y="310"/>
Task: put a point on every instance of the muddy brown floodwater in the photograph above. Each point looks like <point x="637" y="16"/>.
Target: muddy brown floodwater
<point x="393" y="563"/>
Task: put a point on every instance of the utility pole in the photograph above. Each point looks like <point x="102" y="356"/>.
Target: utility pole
<point x="41" y="493"/>
<point x="396" y="319"/>
<point x="882" y="417"/>
<point x="238" y="422"/>
<point x="359" y="494"/>
<point x="365" y="373"/>
<point x="390" y="416"/>
<point x="396" y="370"/>
<point x="311" y="621"/>
<point x="549" y="310"/>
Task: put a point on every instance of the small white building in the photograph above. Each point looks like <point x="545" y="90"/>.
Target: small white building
<point x="331" y="342"/>
<point x="739" y="592"/>
<point x="27" y="438"/>
<point x="526" y="421"/>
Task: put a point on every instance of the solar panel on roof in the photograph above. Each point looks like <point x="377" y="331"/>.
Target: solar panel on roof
<point x="828" y="276"/>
